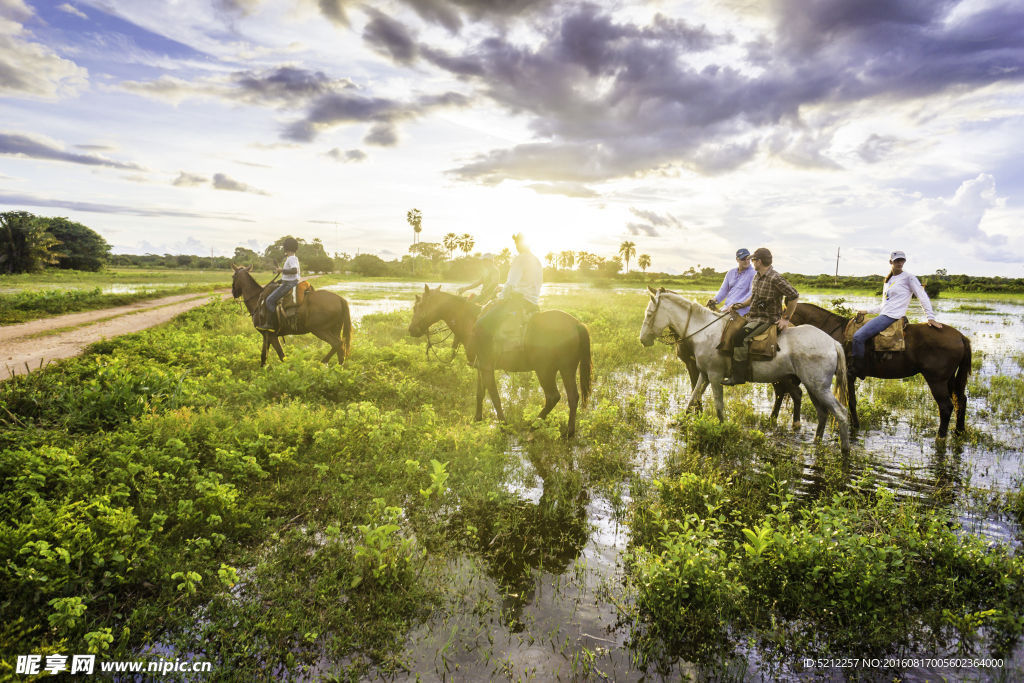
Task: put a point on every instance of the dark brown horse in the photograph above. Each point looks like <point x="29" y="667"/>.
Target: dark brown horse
<point x="555" y="344"/>
<point x="943" y="356"/>
<point x="322" y="314"/>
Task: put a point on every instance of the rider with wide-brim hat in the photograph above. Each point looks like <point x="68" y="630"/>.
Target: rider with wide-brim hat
<point x="521" y="292"/>
<point x="766" y="292"/>
<point x="897" y="291"/>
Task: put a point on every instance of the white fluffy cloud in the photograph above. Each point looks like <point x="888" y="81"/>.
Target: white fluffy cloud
<point x="958" y="219"/>
<point x="31" y="69"/>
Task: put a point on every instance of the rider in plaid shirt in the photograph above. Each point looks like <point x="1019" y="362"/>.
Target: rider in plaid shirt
<point x="766" y="292"/>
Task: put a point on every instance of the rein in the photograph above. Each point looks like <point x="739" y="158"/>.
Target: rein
<point x="435" y="330"/>
<point x="670" y="336"/>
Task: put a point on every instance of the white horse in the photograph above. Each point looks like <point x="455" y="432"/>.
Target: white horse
<point x="804" y="351"/>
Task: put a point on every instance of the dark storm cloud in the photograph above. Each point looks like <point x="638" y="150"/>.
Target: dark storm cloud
<point x="16" y="144"/>
<point x="609" y="99"/>
<point x="155" y="212"/>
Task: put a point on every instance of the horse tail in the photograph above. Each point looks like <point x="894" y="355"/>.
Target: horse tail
<point x="346" y="328"/>
<point x="841" y="392"/>
<point x="586" y="363"/>
<point x="963" y="371"/>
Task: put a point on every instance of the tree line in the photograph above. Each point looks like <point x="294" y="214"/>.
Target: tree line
<point x="29" y="243"/>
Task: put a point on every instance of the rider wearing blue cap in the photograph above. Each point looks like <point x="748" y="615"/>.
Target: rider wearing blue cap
<point x="736" y="285"/>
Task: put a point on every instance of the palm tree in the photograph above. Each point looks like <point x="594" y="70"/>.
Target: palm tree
<point x="550" y="258"/>
<point x="583" y="259"/>
<point x="466" y="243"/>
<point x="627" y="250"/>
<point x="451" y="243"/>
<point x="644" y="262"/>
<point x="415" y="219"/>
<point x="503" y="258"/>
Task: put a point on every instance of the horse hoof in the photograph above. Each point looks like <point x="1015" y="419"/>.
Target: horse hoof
<point x="529" y="437"/>
<point x="796" y="425"/>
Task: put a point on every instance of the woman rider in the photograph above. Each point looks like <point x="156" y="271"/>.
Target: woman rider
<point x="897" y="291"/>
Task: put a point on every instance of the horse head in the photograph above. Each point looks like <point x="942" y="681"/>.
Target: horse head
<point x="426" y="311"/>
<point x="236" y="284"/>
<point x="655" y="318"/>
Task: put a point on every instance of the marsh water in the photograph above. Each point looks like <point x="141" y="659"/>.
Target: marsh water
<point x="551" y="615"/>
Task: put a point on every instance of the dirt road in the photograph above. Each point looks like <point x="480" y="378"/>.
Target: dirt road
<point x="33" y="344"/>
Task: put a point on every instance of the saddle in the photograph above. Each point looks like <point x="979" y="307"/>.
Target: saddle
<point x="730" y="333"/>
<point x="287" y="308"/>
<point x="889" y="340"/>
<point x="512" y="331"/>
<point x="764" y="345"/>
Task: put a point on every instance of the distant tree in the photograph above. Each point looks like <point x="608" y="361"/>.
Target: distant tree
<point x="369" y="265"/>
<point x="184" y="260"/>
<point x="566" y="259"/>
<point x="627" y="250"/>
<point x="431" y="250"/>
<point x="707" y="271"/>
<point x="275" y="252"/>
<point x="466" y="243"/>
<point x="81" y="248"/>
<point x="585" y="260"/>
<point x="414" y="217"/>
<point x="550" y="258"/>
<point x="245" y="256"/>
<point x="610" y="266"/>
<point x="204" y="263"/>
<point x="503" y="258"/>
<point x="25" y="244"/>
<point x="941" y="272"/>
<point x="644" y="262"/>
<point x="451" y="243"/>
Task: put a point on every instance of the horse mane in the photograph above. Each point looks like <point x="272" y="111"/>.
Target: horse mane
<point x="823" y="310"/>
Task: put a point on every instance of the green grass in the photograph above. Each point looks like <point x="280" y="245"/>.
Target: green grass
<point x="162" y="488"/>
<point x="29" y="305"/>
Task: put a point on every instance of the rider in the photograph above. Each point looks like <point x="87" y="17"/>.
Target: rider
<point x="289" y="280"/>
<point x="897" y="291"/>
<point x="736" y="286"/>
<point x="765" y="302"/>
<point x="489" y="279"/>
<point x="521" y="292"/>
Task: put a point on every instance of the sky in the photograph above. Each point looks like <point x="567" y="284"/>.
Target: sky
<point x="690" y="128"/>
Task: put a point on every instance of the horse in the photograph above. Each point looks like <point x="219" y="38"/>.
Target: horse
<point x="555" y="344"/>
<point x="943" y="356"/>
<point x="803" y="351"/>
<point x="322" y="314"/>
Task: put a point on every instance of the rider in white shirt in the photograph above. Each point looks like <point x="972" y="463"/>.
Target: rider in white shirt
<point x="521" y="292"/>
<point x="897" y="291"/>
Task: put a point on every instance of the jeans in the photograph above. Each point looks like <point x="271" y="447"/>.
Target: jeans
<point x="870" y="329"/>
<point x="285" y="288"/>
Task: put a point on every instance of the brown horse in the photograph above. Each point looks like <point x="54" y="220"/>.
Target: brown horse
<point x="555" y="344"/>
<point x="322" y="314"/>
<point x="943" y="356"/>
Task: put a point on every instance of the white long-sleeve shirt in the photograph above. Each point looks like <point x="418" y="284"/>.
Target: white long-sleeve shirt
<point x="526" y="277"/>
<point x="896" y="295"/>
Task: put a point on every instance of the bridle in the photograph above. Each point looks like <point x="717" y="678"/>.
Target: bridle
<point x="434" y="331"/>
<point x="674" y="337"/>
<point x="245" y="301"/>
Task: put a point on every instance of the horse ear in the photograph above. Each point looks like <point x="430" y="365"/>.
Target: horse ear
<point x="651" y="290"/>
<point x="426" y="289"/>
<point x="661" y="290"/>
<point x="417" y="298"/>
<point x="234" y="267"/>
<point x="249" y="268"/>
<point x="438" y="288"/>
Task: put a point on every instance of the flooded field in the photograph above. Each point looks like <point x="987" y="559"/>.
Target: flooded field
<point x="354" y="523"/>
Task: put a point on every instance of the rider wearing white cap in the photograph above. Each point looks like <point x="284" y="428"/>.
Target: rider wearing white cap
<point x="899" y="287"/>
<point x="489" y="279"/>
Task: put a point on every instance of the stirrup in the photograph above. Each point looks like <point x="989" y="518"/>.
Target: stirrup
<point x="733" y="382"/>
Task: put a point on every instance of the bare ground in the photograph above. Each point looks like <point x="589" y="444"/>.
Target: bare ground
<point x="30" y="346"/>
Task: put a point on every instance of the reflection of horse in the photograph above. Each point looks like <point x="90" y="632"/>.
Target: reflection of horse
<point x="943" y="356"/>
<point x="803" y="351"/>
<point x="322" y="314"/>
<point x="555" y="344"/>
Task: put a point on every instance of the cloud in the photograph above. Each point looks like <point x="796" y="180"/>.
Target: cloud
<point x="96" y="148"/>
<point x="71" y="9"/>
<point x="39" y="147"/>
<point x="186" y="179"/>
<point x="91" y="207"/>
<point x="348" y="155"/>
<point x="29" y="69"/>
<point x="223" y="182"/>
<point x="877" y="147"/>
<point x="652" y="221"/>
<point x="389" y="37"/>
<point x="611" y="99"/>
<point x="569" y="189"/>
<point x="382" y="135"/>
<point x="958" y="220"/>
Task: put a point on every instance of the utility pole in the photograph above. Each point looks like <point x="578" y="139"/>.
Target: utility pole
<point x="837" y="264"/>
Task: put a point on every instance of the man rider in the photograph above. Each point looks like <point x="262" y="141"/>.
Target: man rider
<point x="289" y="280"/>
<point x="521" y="292"/>
<point x="736" y="285"/>
<point x="765" y="302"/>
<point x="489" y="279"/>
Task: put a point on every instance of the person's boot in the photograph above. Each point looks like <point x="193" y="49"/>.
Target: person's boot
<point x="739" y="373"/>
<point x="857" y="367"/>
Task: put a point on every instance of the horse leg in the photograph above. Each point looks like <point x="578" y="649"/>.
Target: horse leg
<point x="694" y="373"/>
<point x="335" y="343"/>
<point x="822" y="415"/>
<point x="492" y="389"/>
<point x="780" y="394"/>
<point x="568" y="373"/>
<point x="263" y="353"/>
<point x="716" y="389"/>
<point x="825" y="403"/>
<point x="851" y="400"/>
<point x="940" y="391"/>
<point x="702" y="383"/>
<point x="480" y="390"/>
<point x="276" y="341"/>
<point x="796" y="395"/>
<point x="960" y="405"/>
<point x="548" y="378"/>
